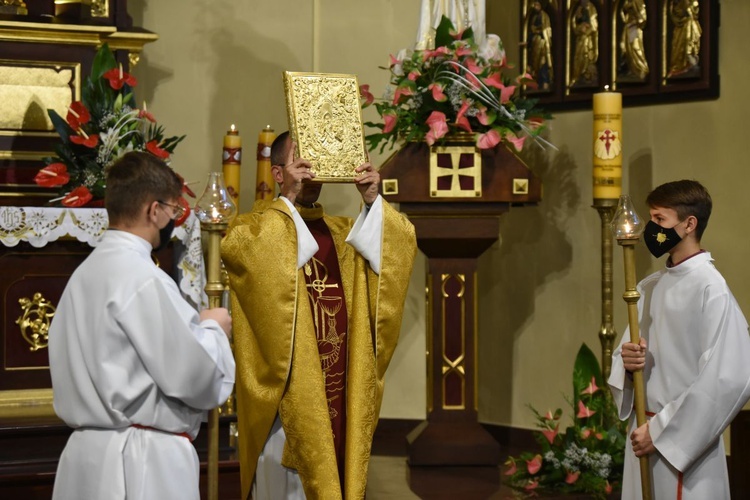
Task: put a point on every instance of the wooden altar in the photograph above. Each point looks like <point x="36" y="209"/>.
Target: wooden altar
<point x="455" y="201"/>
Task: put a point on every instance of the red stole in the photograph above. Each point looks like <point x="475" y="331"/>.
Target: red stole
<point x="326" y="294"/>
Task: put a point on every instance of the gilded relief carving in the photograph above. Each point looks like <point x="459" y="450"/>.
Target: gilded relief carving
<point x="35" y="320"/>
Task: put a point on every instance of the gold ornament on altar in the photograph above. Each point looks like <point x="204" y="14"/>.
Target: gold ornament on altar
<point x="325" y="122"/>
<point x="35" y="320"/>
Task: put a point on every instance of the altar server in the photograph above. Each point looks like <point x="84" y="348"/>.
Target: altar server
<point x="134" y="366"/>
<point x="694" y="354"/>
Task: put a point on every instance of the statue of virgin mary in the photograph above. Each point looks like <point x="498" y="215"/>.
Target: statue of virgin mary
<point x="462" y="13"/>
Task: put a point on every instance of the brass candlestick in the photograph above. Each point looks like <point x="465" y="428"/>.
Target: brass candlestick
<point x="627" y="227"/>
<point x="607" y="332"/>
<point x="214" y="210"/>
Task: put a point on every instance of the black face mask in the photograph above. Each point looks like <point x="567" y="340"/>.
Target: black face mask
<point x="660" y="240"/>
<point x="165" y="234"/>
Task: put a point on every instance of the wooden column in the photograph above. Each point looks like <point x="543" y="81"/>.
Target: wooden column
<point x="453" y="232"/>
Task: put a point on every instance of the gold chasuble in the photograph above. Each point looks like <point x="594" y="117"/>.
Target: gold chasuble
<point x="313" y="344"/>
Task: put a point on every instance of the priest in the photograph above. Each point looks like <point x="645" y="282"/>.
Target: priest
<point x="317" y="303"/>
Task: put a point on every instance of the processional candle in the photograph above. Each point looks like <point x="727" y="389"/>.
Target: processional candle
<point x="264" y="184"/>
<point x="607" y="145"/>
<point x="231" y="159"/>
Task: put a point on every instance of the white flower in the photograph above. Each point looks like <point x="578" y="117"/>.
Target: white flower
<point x="492" y="48"/>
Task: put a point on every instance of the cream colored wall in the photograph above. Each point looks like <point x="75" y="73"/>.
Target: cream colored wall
<point x="219" y="62"/>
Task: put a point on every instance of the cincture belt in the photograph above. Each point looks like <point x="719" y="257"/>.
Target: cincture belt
<point x="146" y="427"/>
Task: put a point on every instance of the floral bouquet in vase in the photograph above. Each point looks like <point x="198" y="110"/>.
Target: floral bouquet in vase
<point x="97" y="130"/>
<point x="457" y="87"/>
<point x="588" y="456"/>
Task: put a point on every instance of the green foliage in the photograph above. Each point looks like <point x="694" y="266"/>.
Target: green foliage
<point x="586" y="457"/>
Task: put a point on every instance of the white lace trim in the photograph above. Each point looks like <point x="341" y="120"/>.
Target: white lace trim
<point x="41" y="225"/>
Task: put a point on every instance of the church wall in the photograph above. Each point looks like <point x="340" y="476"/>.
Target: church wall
<point x="219" y="62"/>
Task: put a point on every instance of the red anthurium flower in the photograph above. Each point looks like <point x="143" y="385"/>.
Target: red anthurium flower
<point x="155" y="150"/>
<point x="364" y="92"/>
<point x="549" y="415"/>
<point x="583" y="411"/>
<point x="78" y="197"/>
<point x="77" y="115"/>
<point x="185" y="188"/>
<point x="394" y="61"/>
<point x="515" y="140"/>
<point x="117" y="78"/>
<point x="461" y="119"/>
<point x="413" y="75"/>
<point x="390" y="119"/>
<point x="488" y="140"/>
<point x="572" y="477"/>
<point x="511" y="467"/>
<point x="532" y="485"/>
<point x="458" y="35"/>
<point x="90" y="141"/>
<point x="148" y="116"/>
<point x="54" y="174"/>
<point x="438" y="127"/>
<point x="550" y="434"/>
<point x="585" y="433"/>
<point x="592" y="388"/>
<point x="608" y="488"/>
<point x="534" y="464"/>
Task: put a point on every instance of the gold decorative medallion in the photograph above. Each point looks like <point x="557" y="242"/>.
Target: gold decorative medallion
<point x="455" y="172"/>
<point x="325" y="121"/>
<point x="35" y="320"/>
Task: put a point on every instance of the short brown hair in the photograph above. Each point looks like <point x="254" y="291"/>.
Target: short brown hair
<point x="686" y="197"/>
<point x="137" y="179"/>
<point x="278" y="149"/>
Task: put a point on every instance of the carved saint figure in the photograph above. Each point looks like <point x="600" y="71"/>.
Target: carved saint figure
<point x="686" y="36"/>
<point x="585" y="29"/>
<point x="633" y="56"/>
<point x="539" y="45"/>
<point x="462" y="13"/>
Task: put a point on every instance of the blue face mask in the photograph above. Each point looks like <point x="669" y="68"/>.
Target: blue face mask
<point x="660" y="240"/>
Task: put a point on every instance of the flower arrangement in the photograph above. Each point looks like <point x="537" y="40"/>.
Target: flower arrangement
<point x="588" y="456"/>
<point x="98" y="130"/>
<point x="458" y="87"/>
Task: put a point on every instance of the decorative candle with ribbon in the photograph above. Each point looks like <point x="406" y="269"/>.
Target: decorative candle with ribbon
<point x="607" y="145"/>
<point x="231" y="160"/>
<point x="264" y="184"/>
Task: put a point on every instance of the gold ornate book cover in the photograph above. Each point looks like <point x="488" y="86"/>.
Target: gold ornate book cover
<point x="325" y="120"/>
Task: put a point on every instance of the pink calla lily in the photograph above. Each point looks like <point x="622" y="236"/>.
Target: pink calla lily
<point x="583" y="411"/>
<point x="389" y="119"/>
<point x="515" y="140"/>
<point x="438" y="127"/>
<point x="488" y="140"/>
<point x="550" y="434"/>
<point x="437" y="92"/>
<point x="533" y="465"/>
<point x="572" y="477"/>
<point x="461" y="119"/>
<point x="364" y="93"/>
<point x="592" y="388"/>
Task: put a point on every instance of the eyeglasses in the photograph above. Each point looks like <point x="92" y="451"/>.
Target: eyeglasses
<point x="178" y="210"/>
